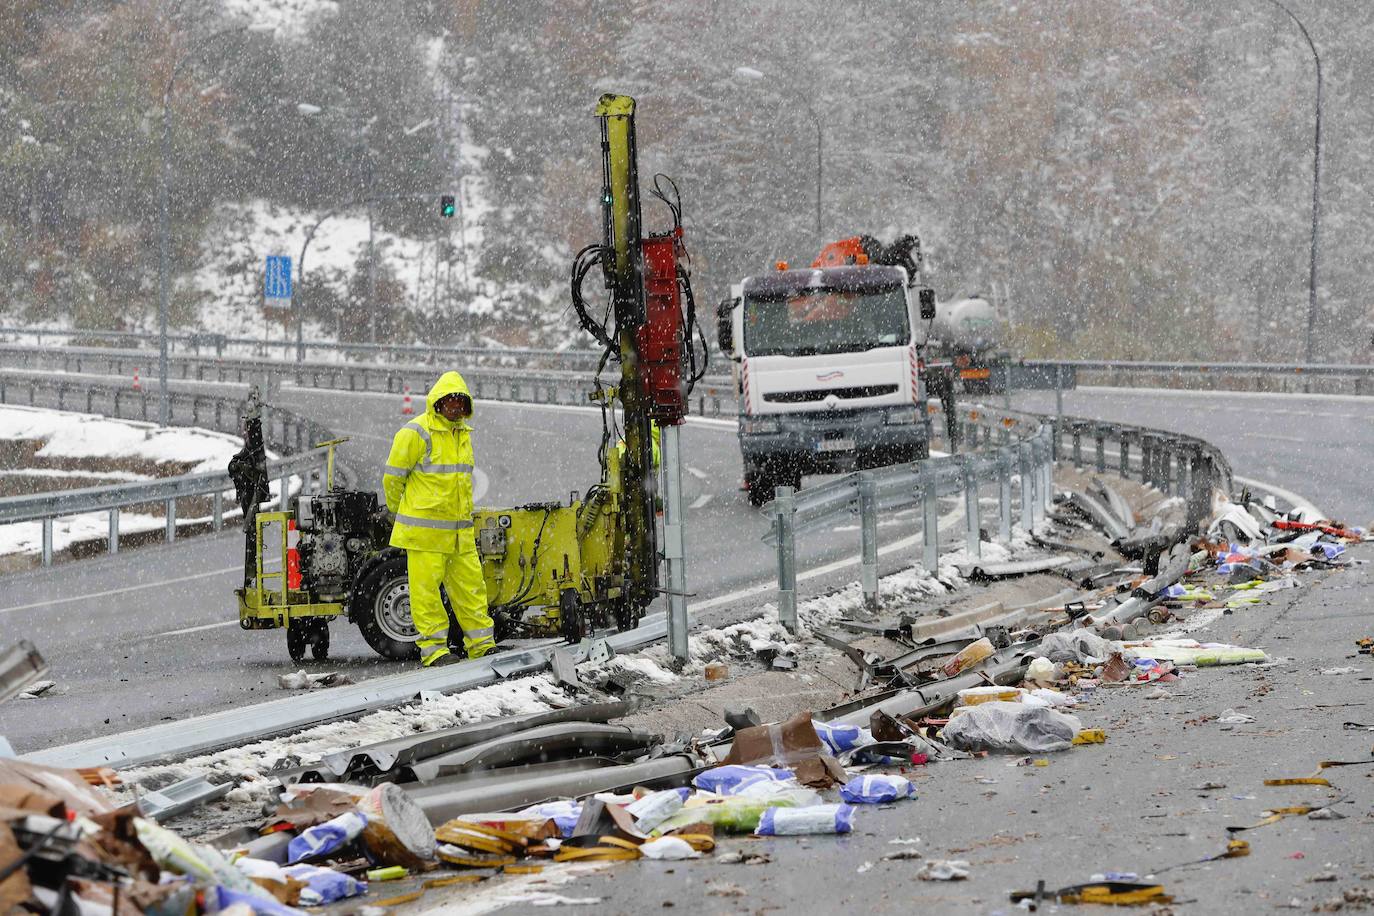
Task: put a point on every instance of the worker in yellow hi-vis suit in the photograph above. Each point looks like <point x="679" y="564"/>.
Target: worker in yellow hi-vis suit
<point x="428" y="484"/>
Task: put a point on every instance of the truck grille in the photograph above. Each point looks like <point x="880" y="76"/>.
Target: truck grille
<point x="806" y="397"/>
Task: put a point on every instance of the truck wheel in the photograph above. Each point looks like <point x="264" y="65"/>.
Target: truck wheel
<point x="296" y="641"/>
<point x="380" y="605"/>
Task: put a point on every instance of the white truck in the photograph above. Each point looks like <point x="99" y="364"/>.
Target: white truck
<point x="827" y="370"/>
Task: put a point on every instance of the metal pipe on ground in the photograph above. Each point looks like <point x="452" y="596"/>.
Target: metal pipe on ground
<point x="1146" y="595"/>
<point x="376" y="760"/>
<point x="1006" y="667"/>
<point x="537" y="745"/>
<point x="443" y="800"/>
<point x="1116" y="502"/>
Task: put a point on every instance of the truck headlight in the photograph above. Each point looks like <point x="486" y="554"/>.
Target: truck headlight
<point x="902" y="417"/>
<point x="762" y="425"/>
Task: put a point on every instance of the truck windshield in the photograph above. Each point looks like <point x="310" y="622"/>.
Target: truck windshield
<point x="816" y="320"/>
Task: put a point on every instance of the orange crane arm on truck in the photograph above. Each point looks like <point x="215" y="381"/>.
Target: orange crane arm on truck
<point x="841" y="253"/>
<point x="904" y="252"/>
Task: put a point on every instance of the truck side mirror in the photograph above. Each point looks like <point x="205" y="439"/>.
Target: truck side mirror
<point x="725" y="331"/>
<point x="926" y="296"/>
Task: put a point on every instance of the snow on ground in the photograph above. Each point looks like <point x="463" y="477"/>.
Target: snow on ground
<point x="251" y="763"/>
<point x="88" y="436"/>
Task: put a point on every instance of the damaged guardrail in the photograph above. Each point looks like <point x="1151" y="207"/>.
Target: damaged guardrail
<point x="868" y="493"/>
<point x="1173" y="463"/>
<point x="283" y="430"/>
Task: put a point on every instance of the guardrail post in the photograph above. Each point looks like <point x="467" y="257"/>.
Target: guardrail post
<point x="930" y="525"/>
<point x="1100" y="455"/>
<point x="47" y="542"/>
<point x="674" y="548"/>
<point x="217" y="512"/>
<point x="113" y="541"/>
<point x="1046" y="491"/>
<point x="1027" y="487"/>
<point x="1058" y="393"/>
<point x="171" y="520"/>
<point x="285" y="490"/>
<point x="785" y="505"/>
<point x="868" y="537"/>
<point x="973" y="528"/>
<point x="145" y="406"/>
<point x="1077" y="447"/>
<point x="1146" y="447"/>
<point x="1004" y="495"/>
<point x="1124" y="453"/>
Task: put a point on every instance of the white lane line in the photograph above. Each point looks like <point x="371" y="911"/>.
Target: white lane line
<point x="1362" y="399"/>
<point x="696" y="472"/>
<point x="121" y="591"/>
<point x="701" y="501"/>
<point x="1278" y="438"/>
<point x="185" y="630"/>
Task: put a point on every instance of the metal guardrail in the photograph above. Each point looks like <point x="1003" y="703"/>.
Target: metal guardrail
<point x="283" y="431"/>
<point x="712" y="396"/>
<point x="1029" y="446"/>
<point x="291" y="349"/>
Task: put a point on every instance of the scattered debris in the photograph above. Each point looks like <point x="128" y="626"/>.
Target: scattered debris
<point x="944" y="870"/>
<point x="307" y="680"/>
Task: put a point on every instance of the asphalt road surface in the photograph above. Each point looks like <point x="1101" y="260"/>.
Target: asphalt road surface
<point x="151" y="634"/>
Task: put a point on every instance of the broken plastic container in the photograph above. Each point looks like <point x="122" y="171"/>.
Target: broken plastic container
<point x="738" y="779"/>
<point x="322" y="839"/>
<point x="974" y="696"/>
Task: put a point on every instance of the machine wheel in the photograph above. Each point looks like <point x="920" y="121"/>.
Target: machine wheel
<point x="572" y="619"/>
<point x="626" y="617"/>
<point x="760" y="484"/>
<point x="381" y="608"/>
<point x="308" y="632"/>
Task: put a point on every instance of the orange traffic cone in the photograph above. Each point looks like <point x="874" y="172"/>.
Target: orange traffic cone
<point x="138" y="386"/>
<point x="406" y="408"/>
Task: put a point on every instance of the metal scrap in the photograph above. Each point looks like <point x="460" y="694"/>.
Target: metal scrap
<point x="180" y="797"/>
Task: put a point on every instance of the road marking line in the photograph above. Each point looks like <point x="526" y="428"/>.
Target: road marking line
<point x="121" y="591"/>
<point x="701" y="501"/>
<point x="696" y="472"/>
<point x="185" y="630"/>
<point x="1293" y="499"/>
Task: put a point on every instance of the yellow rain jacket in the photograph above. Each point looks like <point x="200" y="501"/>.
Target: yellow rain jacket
<point x="428" y="478"/>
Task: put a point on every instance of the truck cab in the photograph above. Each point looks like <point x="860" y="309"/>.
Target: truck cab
<point x="827" y="375"/>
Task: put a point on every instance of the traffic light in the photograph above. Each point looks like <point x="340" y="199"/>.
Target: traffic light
<point x="448" y="205"/>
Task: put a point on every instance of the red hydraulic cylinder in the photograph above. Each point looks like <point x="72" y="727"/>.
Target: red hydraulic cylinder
<point x="660" y="338"/>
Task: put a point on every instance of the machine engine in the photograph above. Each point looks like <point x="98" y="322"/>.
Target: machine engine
<point x="338" y="531"/>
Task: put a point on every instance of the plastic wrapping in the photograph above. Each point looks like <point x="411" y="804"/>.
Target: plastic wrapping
<point x="735" y="814"/>
<point x="969" y="656"/>
<point x="656" y="807"/>
<point x="668" y="847"/>
<point x="325" y="885"/>
<point x="1012" y="728"/>
<point x="812" y="819"/>
<point x="737" y="779"/>
<point x="564" y="814"/>
<point x="323" y="839"/>
<point x="264" y="905"/>
<point x="876" y="788"/>
<point x="1075" y="646"/>
<point x="840" y="738"/>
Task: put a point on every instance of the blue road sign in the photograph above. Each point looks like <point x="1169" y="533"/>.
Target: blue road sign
<point x="276" y="282"/>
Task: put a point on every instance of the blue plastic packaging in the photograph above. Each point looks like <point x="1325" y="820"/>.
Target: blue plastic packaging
<point x="842" y="738"/>
<point x="323" y="839"/>
<point x="735" y="778"/>
<point x="326" y="884"/>
<point x="812" y="819"/>
<point x="876" y="788"/>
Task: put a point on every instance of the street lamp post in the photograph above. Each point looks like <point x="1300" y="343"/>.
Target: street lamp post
<point x="1316" y="186"/>
<point x="164" y="413"/>
<point x="749" y="73"/>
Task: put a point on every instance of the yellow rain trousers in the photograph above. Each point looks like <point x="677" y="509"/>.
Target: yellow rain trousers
<point x="428" y="485"/>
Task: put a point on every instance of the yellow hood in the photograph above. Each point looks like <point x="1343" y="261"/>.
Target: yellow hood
<point x="449" y="383"/>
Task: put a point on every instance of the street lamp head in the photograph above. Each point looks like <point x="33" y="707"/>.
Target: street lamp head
<point x="307" y="109"/>
<point x="749" y="73"/>
<point x="261" y="28"/>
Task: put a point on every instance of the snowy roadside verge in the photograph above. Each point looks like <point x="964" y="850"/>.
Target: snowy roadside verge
<point x="74" y="438"/>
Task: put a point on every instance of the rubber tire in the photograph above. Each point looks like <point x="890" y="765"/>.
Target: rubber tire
<point x="363" y="604"/>
<point x="296" y="641"/>
<point x="761" y="485"/>
<point x="572" y="618"/>
<point x="319" y="643"/>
